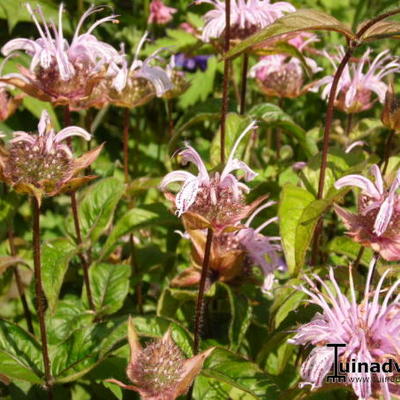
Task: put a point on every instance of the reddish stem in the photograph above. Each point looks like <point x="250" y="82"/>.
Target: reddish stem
<point x="202" y="287"/>
<point x="225" y="84"/>
<point x="40" y="298"/>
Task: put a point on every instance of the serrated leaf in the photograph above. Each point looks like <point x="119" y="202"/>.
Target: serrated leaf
<point x="300" y="20"/>
<point x="110" y="286"/>
<point x="293" y="201"/>
<point x="97" y="206"/>
<point x="135" y="218"/>
<point x="230" y="369"/>
<point x="56" y="256"/>
<point x="20" y="354"/>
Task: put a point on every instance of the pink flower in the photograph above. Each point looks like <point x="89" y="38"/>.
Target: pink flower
<point x="217" y="197"/>
<point x="357" y="84"/>
<point x="262" y="250"/>
<point x="60" y="71"/>
<point x="368" y="329"/>
<point x="282" y="76"/>
<point x="159" y="371"/>
<point x="247" y="17"/>
<point x="42" y="165"/>
<point x="378" y="219"/>
<point x="135" y="85"/>
<point x="159" y="13"/>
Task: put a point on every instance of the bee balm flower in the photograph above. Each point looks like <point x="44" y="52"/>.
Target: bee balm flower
<point x="160" y="371"/>
<point x="159" y="13"/>
<point x="247" y="17"/>
<point x="62" y="72"/>
<point x="357" y="85"/>
<point x="377" y="223"/>
<point x="42" y="165"/>
<point x="369" y="331"/>
<point x="217" y="198"/>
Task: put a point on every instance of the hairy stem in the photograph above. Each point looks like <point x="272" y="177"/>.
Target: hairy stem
<point x="200" y="296"/>
<point x="20" y="286"/>
<point x="126" y="143"/>
<point x="243" y="88"/>
<point x="40" y="298"/>
<point x="225" y="84"/>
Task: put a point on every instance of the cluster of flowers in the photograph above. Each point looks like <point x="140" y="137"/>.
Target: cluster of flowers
<point x="90" y="73"/>
<point x="87" y="72"/>
<point x="217" y="201"/>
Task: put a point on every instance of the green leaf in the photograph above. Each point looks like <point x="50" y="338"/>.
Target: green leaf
<point x="20" y="354"/>
<point x="236" y="372"/>
<point x="241" y="315"/>
<point x="293" y="202"/>
<point x="273" y="115"/>
<point x="85" y="349"/>
<point x="300" y="20"/>
<point x="235" y="125"/>
<point x="56" y="255"/>
<point x="110" y="286"/>
<point x="97" y="206"/>
<point x="136" y="218"/>
<point x="346" y="246"/>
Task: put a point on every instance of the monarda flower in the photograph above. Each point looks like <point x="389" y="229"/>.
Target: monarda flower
<point x="42" y="165"/>
<point x="281" y="75"/>
<point x="369" y="330"/>
<point x="61" y="72"/>
<point x="377" y="222"/>
<point x="234" y="254"/>
<point x="218" y="199"/>
<point x="360" y="80"/>
<point x="160" y="371"/>
<point x="247" y="17"/>
<point x="160" y="14"/>
<point x="136" y="85"/>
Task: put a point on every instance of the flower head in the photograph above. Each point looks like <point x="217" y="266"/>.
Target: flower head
<point x="138" y="83"/>
<point x="42" y="165"/>
<point x="159" y="371"/>
<point x="247" y="17"/>
<point x="282" y="75"/>
<point x="378" y="219"/>
<point x="61" y="72"/>
<point x="217" y="198"/>
<point x="160" y="14"/>
<point x="358" y="83"/>
<point x="368" y="329"/>
<point x="234" y="253"/>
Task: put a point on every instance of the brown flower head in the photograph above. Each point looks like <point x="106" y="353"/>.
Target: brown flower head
<point x="391" y="111"/>
<point x="159" y="371"/>
<point x="41" y="165"/>
<point x="234" y="254"/>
